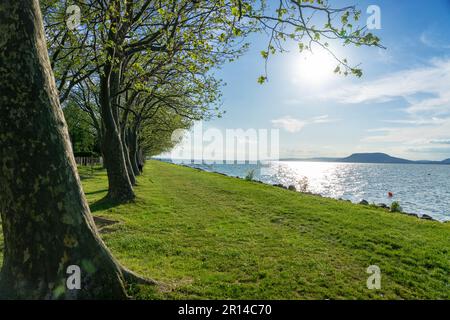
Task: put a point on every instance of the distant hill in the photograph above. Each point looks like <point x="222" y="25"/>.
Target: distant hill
<point x="375" y="157"/>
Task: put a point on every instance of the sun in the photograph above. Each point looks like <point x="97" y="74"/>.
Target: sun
<point x="315" y="68"/>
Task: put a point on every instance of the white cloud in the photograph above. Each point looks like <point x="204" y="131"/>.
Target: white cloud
<point x="430" y="150"/>
<point x="289" y="124"/>
<point x="421" y="135"/>
<point x="440" y="141"/>
<point x="323" y="119"/>
<point x="432" y="81"/>
<point x="419" y="121"/>
<point x="412" y="141"/>
<point x="429" y="41"/>
<point x="293" y="125"/>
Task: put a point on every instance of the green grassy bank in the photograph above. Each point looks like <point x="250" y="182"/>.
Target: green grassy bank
<point x="204" y="235"/>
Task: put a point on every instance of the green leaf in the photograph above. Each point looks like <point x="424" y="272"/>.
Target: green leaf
<point x="262" y="79"/>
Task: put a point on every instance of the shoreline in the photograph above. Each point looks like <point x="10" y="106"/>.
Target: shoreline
<point x="292" y="188"/>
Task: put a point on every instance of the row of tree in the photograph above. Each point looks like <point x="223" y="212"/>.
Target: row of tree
<point x="139" y="69"/>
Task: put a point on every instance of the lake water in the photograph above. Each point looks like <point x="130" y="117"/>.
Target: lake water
<point x="421" y="189"/>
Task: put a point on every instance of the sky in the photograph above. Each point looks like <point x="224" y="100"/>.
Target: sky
<point x="401" y="105"/>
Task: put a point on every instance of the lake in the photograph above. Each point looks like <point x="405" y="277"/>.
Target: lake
<point x="419" y="188"/>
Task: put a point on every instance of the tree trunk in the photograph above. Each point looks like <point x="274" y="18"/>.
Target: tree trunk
<point x="141" y="159"/>
<point x="126" y="153"/>
<point x="119" y="185"/>
<point x="46" y="221"/>
<point x="120" y="188"/>
<point x="132" y="139"/>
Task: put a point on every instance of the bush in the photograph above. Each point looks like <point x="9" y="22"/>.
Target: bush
<point x="395" y="207"/>
<point x="250" y="175"/>
<point x="303" y="184"/>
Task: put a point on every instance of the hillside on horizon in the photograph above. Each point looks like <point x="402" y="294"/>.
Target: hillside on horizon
<point x="371" y="157"/>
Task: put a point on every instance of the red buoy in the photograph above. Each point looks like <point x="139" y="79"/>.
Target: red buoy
<point x="390" y="194"/>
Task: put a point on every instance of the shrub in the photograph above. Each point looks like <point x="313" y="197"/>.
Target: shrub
<point x="303" y="184"/>
<point x="250" y="175"/>
<point x="395" y="207"/>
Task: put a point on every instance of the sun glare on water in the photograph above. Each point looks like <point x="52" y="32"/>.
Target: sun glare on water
<point x="314" y="68"/>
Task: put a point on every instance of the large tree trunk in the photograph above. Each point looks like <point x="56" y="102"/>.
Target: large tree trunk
<point x="120" y="188"/>
<point x="46" y="221"/>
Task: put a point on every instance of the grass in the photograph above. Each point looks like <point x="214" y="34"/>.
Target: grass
<point x="204" y="235"/>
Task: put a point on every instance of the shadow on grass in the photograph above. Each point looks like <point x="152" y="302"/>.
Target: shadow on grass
<point x="83" y="177"/>
<point x="96" y="192"/>
<point x="103" y="204"/>
<point x="103" y="224"/>
<point x="87" y="173"/>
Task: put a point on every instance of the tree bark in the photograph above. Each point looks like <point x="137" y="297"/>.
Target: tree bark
<point x="120" y="188"/>
<point x="47" y="224"/>
<point x="126" y="153"/>
<point x="141" y="159"/>
<point x="132" y="139"/>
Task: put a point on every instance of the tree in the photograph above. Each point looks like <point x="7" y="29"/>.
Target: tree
<point x="114" y="34"/>
<point x="156" y="136"/>
<point x="46" y="221"/>
<point x="83" y="135"/>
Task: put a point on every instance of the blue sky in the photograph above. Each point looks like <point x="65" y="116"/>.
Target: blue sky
<point x="400" y="106"/>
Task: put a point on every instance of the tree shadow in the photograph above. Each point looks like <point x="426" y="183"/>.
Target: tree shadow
<point x="83" y="177"/>
<point x="86" y="173"/>
<point x="103" y="204"/>
<point x="104" y="224"/>
<point x="95" y="192"/>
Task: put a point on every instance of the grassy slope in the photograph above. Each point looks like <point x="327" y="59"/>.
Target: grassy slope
<point x="208" y="236"/>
